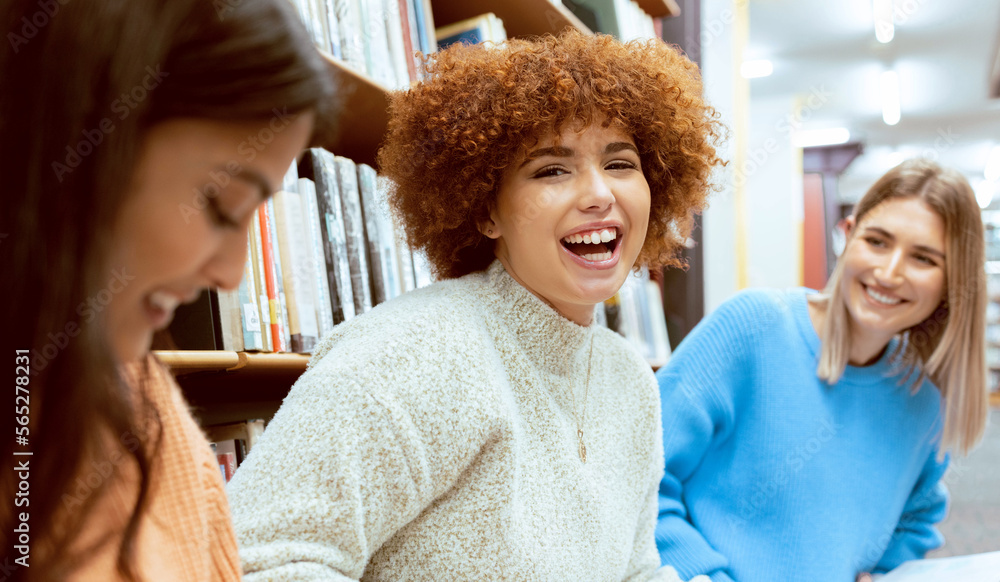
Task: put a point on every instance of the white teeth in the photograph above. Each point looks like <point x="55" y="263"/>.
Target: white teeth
<point x="597" y="256"/>
<point x="164" y="301"/>
<point x="593" y="238"/>
<point x="882" y="298"/>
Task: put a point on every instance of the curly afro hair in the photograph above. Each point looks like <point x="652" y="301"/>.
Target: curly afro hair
<point x="479" y="108"/>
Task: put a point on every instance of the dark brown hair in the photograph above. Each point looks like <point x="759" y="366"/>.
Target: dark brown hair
<point x="72" y="71"/>
<point x="452" y="136"/>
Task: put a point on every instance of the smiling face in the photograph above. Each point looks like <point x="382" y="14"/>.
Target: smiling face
<point x="184" y="226"/>
<point x="571" y="218"/>
<point x="894" y="268"/>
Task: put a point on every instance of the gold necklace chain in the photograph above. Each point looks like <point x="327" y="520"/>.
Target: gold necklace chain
<point x="583" y="417"/>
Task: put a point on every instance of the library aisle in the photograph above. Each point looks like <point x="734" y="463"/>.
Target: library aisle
<point x="973" y="522"/>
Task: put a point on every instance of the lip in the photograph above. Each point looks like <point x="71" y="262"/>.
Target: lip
<point x="880" y="291"/>
<point x="594" y="265"/>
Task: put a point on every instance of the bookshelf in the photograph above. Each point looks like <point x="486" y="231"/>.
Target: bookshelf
<point x="520" y="17"/>
<point x="224" y="387"/>
<point x="362" y="118"/>
<point x="660" y="8"/>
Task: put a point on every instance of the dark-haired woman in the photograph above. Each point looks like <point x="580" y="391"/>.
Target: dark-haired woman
<point x="483" y="428"/>
<point x="128" y="188"/>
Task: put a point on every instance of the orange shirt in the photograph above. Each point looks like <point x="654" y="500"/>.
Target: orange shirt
<point x="186" y="534"/>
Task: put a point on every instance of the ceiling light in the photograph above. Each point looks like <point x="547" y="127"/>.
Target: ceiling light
<point x="985" y="191"/>
<point x="821" y="137"/>
<point x="884" y="29"/>
<point x="890" y="97"/>
<point x="992" y="170"/>
<point x="754" y="69"/>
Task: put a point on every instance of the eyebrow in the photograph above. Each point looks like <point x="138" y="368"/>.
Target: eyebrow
<point x="565" y="152"/>
<point x="921" y="248"/>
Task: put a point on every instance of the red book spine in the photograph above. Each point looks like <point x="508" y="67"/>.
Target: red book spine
<point x="270" y="281"/>
<point x="228" y="463"/>
<point x="404" y="17"/>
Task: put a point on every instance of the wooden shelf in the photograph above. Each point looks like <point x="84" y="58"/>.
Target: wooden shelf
<point x="660" y="8"/>
<point x="224" y="387"/>
<point x="363" y="106"/>
<point x="520" y="17"/>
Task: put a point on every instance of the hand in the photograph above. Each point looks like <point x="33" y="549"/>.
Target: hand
<point x="863" y="577"/>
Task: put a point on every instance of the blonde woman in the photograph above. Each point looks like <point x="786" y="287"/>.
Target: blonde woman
<point x="805" y="433"/>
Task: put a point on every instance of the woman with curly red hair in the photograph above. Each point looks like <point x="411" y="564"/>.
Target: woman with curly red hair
<point x="483" y="427"/>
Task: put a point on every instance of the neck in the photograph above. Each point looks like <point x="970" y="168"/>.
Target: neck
<point x="866" y="348"/>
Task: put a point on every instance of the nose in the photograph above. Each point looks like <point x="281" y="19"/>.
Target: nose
<point x="225" y="268"/>
<point x="890" y="272"/>
<point x="597" y="194"/>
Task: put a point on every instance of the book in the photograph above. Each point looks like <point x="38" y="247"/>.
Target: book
<point x="401" y="59"/>
<point x="298" y="271"/>
<point x="271" y="281"/>
<point x="354" y="228"/>
<point x="319" y="164"/>
<point x="973" y="568"/>
<point x="378" y="59"/>
<point x="352" y="40"/>
<point x="279" y="273"/>
<point x="378" y="275"/>
<point x="422" y="273"/>
<point x="321" y="286"/>
<point x="483" y="28"/>
<point x="230" y="320"/>
<point x="196" y="325"/>
<point x="409" y="32"/>
<point x="263" y="305"/>
<point x="249" y="311"/>
<point x="389" y="253"/>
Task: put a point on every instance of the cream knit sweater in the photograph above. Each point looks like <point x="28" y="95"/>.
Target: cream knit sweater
<point x="435" y="438"/>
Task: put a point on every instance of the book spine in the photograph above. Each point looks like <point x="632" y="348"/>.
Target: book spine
<point x="310" y="204"/>
<point x="373" y="238"/>
<point x="297" y="271"/>
<point x="406" y="24"/>
<point x="249" y="311"/>
<point x="279" y="274"/>
<point x="263" y="304"/>
<point x="352" y="43"/>
<point x="377" y="56"/>
<point x="230" y="326"/>
<point x="350" y="197"/>
<point x="397" y="48"/>
<point x="387" y="239"/>
<point x="340" y="271"/>
<point x="271" y="281"/>
<point x="333" y="28"/>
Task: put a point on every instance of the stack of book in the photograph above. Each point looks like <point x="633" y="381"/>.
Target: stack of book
<point x="482" y="28"/>
<point x="322" y="250"/>
<point x="232" y="443"/>
<point x="378" y="38"/>
<point x="636" y="312"/>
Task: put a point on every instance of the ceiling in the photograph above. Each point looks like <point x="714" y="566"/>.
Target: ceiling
<point x="943" y="52"/>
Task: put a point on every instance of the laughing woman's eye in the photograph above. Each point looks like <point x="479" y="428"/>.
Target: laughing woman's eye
<point x="548" y="171"/>
<point x="219" y="217"/>
<point x="925" y="260"/>
<point x="875" y="241"/>
<point x="621" y="165"/>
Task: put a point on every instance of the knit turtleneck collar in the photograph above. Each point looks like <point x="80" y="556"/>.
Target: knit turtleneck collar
<point x="552" y="341"/>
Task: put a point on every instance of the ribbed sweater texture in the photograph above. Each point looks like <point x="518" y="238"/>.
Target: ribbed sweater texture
<point x="772" y="474"/>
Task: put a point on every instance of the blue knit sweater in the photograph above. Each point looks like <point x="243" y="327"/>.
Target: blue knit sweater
<point x="772" y="475"/>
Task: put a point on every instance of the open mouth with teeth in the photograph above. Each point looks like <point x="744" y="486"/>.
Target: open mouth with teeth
<point x="596" y="245"/>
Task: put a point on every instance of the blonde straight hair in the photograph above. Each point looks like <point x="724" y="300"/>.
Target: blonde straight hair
<point x="949" y="346"/>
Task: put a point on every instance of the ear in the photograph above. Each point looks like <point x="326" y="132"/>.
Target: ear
<point x="490" y="229"/>
<point x="849" y="223"/>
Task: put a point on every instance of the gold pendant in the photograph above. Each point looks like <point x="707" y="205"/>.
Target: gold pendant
<point x="583" y="447"/>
